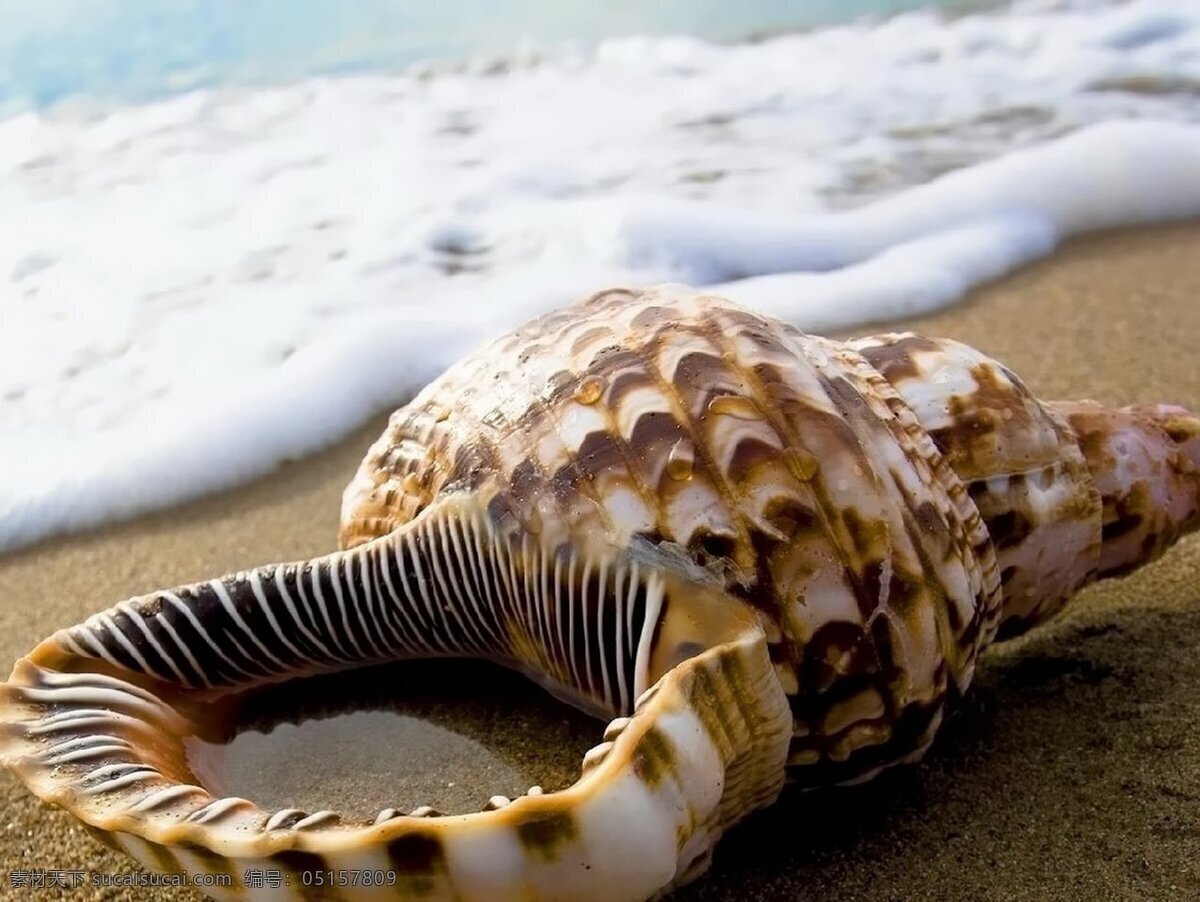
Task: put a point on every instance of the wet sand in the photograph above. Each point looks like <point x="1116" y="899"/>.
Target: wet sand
<point x="1072" y="769"/>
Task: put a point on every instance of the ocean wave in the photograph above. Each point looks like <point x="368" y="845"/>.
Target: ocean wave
<point x="196" y="288"/>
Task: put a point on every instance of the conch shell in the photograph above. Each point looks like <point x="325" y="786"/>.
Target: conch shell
<point x="763" y="555"/>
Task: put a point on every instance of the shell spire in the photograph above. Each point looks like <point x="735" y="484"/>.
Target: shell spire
<point x="760" y="555"/>
<point x="1145" y="461"/>
<point x="1071" y="491"/>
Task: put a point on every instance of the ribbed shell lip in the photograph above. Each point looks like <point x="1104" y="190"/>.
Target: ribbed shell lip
<point x="704" y="745"/>
<point x="91" y="721"/>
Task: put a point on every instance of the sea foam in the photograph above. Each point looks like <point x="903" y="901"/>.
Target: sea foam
<point x="194" y="289"/>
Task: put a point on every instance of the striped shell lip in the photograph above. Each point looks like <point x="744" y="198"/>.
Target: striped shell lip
<point x="129" y="784"/>
<point x="97" y="719"/>
<point x="128" y="778"/>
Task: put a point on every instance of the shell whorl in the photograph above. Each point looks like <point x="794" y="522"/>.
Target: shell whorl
<point x="782" y="464"/>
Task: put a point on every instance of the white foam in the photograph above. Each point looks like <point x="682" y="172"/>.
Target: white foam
<point x="194" y="289"/>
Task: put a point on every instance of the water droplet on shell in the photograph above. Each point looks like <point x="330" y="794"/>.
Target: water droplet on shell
<point x="734" y="406"/>
<point x="801" y="464"/>
<point x="588" y="390"/>
<point x="681" y="461"/>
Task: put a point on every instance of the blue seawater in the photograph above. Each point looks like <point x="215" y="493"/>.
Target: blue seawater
<point x="116" y="51"/>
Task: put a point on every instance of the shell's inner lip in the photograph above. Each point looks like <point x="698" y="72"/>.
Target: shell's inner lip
<point x="444" y="734"/>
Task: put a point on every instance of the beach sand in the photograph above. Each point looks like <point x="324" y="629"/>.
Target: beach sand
<point x="1072" y="769"/>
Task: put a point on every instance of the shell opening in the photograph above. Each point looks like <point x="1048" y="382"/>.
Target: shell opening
<point x="435" y="737"/>
<point x="704" y="745"/>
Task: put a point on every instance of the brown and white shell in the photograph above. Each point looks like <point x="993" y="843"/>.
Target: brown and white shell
<point x="765" y="554"/>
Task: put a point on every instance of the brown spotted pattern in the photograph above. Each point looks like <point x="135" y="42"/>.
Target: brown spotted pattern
<point x="1019" y="460"/>
<point x="1145" y="461"/>
<point x="1070" y="491"/>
